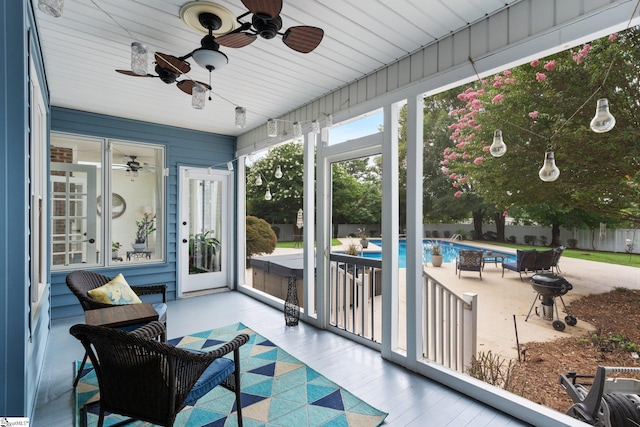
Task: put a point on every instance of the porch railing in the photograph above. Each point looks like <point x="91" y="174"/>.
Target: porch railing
<point x="450" y="325"/>
<point x="356" y="295"/>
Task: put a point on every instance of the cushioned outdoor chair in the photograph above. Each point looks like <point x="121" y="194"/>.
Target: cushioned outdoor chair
<point x="152" y="381"/>
<point x="469" y="260"/>
<point x="525" y="262"/>
<point x="544" y="259"/>
<point x="81" y="282"/>
<point x="557" y="253"/>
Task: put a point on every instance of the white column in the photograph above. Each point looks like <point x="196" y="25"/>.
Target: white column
<point x="308" y="205"/>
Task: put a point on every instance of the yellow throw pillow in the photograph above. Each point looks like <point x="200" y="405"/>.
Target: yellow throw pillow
<point x="116" y="291"/>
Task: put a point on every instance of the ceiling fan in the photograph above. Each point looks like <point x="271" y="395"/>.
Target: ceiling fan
<point x="212" y="19"/>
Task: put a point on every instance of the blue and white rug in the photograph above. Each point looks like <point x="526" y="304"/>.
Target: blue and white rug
<point x="277" y="390"/>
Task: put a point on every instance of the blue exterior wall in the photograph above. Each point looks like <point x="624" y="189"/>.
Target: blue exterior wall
<point x="23" y="333"/>
<point x="183" y="147"/>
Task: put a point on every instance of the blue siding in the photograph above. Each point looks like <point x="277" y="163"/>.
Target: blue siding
<point x="184" y="147"/>
<point x="22" y="342"/>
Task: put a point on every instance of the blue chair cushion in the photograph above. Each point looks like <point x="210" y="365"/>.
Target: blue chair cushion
<point x="510" y="266"/>
<point x="212" y="376"/>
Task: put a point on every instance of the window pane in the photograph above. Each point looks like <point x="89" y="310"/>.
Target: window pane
<point x="75" y="176"/>
<point x="136" y="203"/>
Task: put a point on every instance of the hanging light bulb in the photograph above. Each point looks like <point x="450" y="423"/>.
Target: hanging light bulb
<point x="603" y="121"/>
<point x="139" y="58"/>
<point x="278" y="173"/>
<point x="297" y="129"/>
<point x="549" y="171"/>
<point x="498" y="148"/>
<point x="51" y="7"/>
<point x="267" y="195"/>
<point x="241" y="117"/>
<point x="258" y="180"/>
<point x="272" y="128"/>
<point x="198" y="96"/>
<point x="315" y="125"/>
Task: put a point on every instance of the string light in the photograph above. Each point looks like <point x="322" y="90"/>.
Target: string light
<point x="549" y="171"/>
<point x="603" y="121"/>
<point x="498" y="147"/>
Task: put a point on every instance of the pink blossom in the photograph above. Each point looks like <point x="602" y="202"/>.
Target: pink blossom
<point x="541" y="77"/>
<point x="454" y="185"/>
<point x="534" y="63"/>
<point x="534" y="114"/>
<point x="457" y="194"/>
<point x="453" y="176"/>
<point x="507" y="72"/>
<point x="613" y="37"/>
<point x="478" y="160"/>
<point x="445" y="170"/>
<point x="498" y="98"/>
<point x="550" y="65"/>
<point x="447" y="150"/>
<point x="486" y="148"/>
<point x="461" y="144"/>
<point x="445" y="162"/>
<point x="505" y="213"/>
<point x="463" y="180"/>
<point x="453" y="156"/>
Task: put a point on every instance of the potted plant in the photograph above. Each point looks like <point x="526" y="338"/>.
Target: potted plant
<point x="114" y="249"/>
<point x="203" y="251"/>
<point x="436" y="254"/>
<point x="363" y="238"/>
<point x="145" y="226"/>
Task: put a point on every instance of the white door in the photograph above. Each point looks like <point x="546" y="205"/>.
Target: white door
<point x="205" y="233"/>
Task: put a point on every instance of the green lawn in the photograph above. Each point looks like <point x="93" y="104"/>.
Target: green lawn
<point x="292" y="244"/>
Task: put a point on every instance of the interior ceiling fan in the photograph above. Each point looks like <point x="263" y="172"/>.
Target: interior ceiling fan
<point x="222" y="28"/>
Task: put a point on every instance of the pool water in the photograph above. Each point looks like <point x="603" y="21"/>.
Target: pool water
<point x="449" y="251"/>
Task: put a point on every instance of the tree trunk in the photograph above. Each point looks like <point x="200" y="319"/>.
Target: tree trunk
<point x="477" y="224"/>
<point x="499" y="226"/>
<point x="335" y="230"/>
<point x="555" y="235"/>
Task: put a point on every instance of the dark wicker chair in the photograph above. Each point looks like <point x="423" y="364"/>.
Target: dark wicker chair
<point x="544" y="259"/>
<point x="148" y="380"/>
<point x="81" y="282"/>
<point x="525" y="261"/>
<point x="469" y="260"/>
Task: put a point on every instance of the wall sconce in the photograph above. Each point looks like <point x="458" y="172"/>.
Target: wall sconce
<point x="272" y="128"/>
<point x="315" y="125"/>
<point x="297" y="129"/>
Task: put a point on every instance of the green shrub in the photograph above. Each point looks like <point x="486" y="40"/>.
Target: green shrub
<point x="572" y="243"/>
<point x="260" y="237"/>
<point x="530" y="240"/>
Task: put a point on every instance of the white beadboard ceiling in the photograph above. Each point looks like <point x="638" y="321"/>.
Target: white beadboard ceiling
<point x="83" y="48"/>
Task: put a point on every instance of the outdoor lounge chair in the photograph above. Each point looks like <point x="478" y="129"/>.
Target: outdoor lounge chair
<point x="81" y="282"/>
<point x="148" y="380"/>
<point x="557" y="253"/>
<point x="525" y="261"/>
<point x="469" y="260"/>
<point x="544" y="260"/>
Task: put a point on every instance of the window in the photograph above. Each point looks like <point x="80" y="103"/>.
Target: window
<point x="107" y="202"/>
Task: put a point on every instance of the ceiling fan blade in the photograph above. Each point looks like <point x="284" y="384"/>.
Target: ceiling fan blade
<point x="173" y="64"/>
<point x="271" y="8"/>
<point x="131" y="73"/>
<point x="187" y="86"/>
<point x="303" y="38"/>
<point x="236" y="40"/>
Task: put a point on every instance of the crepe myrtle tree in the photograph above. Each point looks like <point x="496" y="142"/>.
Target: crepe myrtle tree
<point x="546" y="105"/>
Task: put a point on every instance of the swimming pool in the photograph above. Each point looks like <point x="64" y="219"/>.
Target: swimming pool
<point x="449" y="251"/>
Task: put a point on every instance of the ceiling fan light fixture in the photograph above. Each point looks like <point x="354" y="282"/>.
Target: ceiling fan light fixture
<point x="198" y="96"/>
<point x="241" y="117"/>
<point x="210" y="59"/>
<point x="139" y="58"/>
<point x="51" y="7"/>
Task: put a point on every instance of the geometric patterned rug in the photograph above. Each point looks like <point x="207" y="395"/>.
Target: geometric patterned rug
<point x="277" y="390"/>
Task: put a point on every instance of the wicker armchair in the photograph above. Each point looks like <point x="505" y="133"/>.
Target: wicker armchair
<point x="81" y="282"/>
<point x="469" y="260"/>
<point x="148" y="380"/>
<point x="525" y="261"/>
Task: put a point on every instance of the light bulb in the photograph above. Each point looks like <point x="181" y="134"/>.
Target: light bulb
<point x="297" y="129"/>
<point x="272" y="128"/>
<point x="603" y="121"/>
<point x="267" y="195"/>
<point x="498" y="148"/>
<point x="258" y="181"/>
<point x="139" y="58"/>
<point x="549" y="171"/>
<point x="315" y="125"/>
<point x="198" y="96"/>
<point x="241" y="117"/>
<point x="278" y="173"/>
